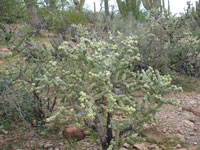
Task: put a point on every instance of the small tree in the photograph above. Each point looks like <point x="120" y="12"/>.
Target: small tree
<point x="101" y="87"/>
<point x="11" y="11"/>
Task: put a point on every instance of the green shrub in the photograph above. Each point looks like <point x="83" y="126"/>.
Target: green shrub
<point x="11" y="11"/>
<point x="167" y="43"/>
<point x="8" y="78"/>
<point x="20" y="97"/>
<point x="97" y="85"/>
<point x="60" y="21"/>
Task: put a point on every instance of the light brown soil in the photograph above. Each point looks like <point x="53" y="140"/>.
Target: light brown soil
<point x="175" y="121"/>
<point x="171" y="120"/>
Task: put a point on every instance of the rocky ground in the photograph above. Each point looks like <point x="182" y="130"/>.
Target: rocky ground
<point x="179" y="122"/>
<point x="180" y="126"/>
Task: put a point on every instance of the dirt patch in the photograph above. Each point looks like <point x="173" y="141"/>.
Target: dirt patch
<point x="176" y="122"/>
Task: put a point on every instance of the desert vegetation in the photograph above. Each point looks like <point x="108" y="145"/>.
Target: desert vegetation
<point x="123" y="77"/>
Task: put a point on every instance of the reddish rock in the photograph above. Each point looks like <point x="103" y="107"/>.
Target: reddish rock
<point x="188" y="123"/>
<point x="71" y="132"/>
<point x="193" y="148"/>
<point x="141" y="146"/>
<point x="153" y="135"/>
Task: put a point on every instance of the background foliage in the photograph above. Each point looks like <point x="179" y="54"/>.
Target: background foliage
<point x="106" y="70"/>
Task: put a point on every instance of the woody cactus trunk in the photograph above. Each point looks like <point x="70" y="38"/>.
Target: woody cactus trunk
<point x="79" y="5"/>
<point x="129" y="7"/>
<point x="152" y="4"/>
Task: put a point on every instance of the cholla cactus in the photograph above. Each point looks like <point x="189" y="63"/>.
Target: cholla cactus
<point x="101" y="87"/>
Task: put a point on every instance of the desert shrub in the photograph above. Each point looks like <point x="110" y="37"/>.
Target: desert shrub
<point x="41" y="60"/>
<point x="124" y="25"/>
<point x="15" y="37"/>
<point x="127" y="24"/>
<point x="60" y="21"/>
<point x="11" y="11"/>
<point x="90" y="16"/>
<point x="167" y="43"/>
<point x="15" y="103"/>
<point x="20" y="97"/>
<point x="8" y="78"/>
<point x="96" y="84"/>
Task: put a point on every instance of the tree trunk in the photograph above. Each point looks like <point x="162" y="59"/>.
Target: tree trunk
<point x="109" y="129"/>
<point x="101" y="132"/>
<point x="32" y="13"/>
<point x="106" y="7"/>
